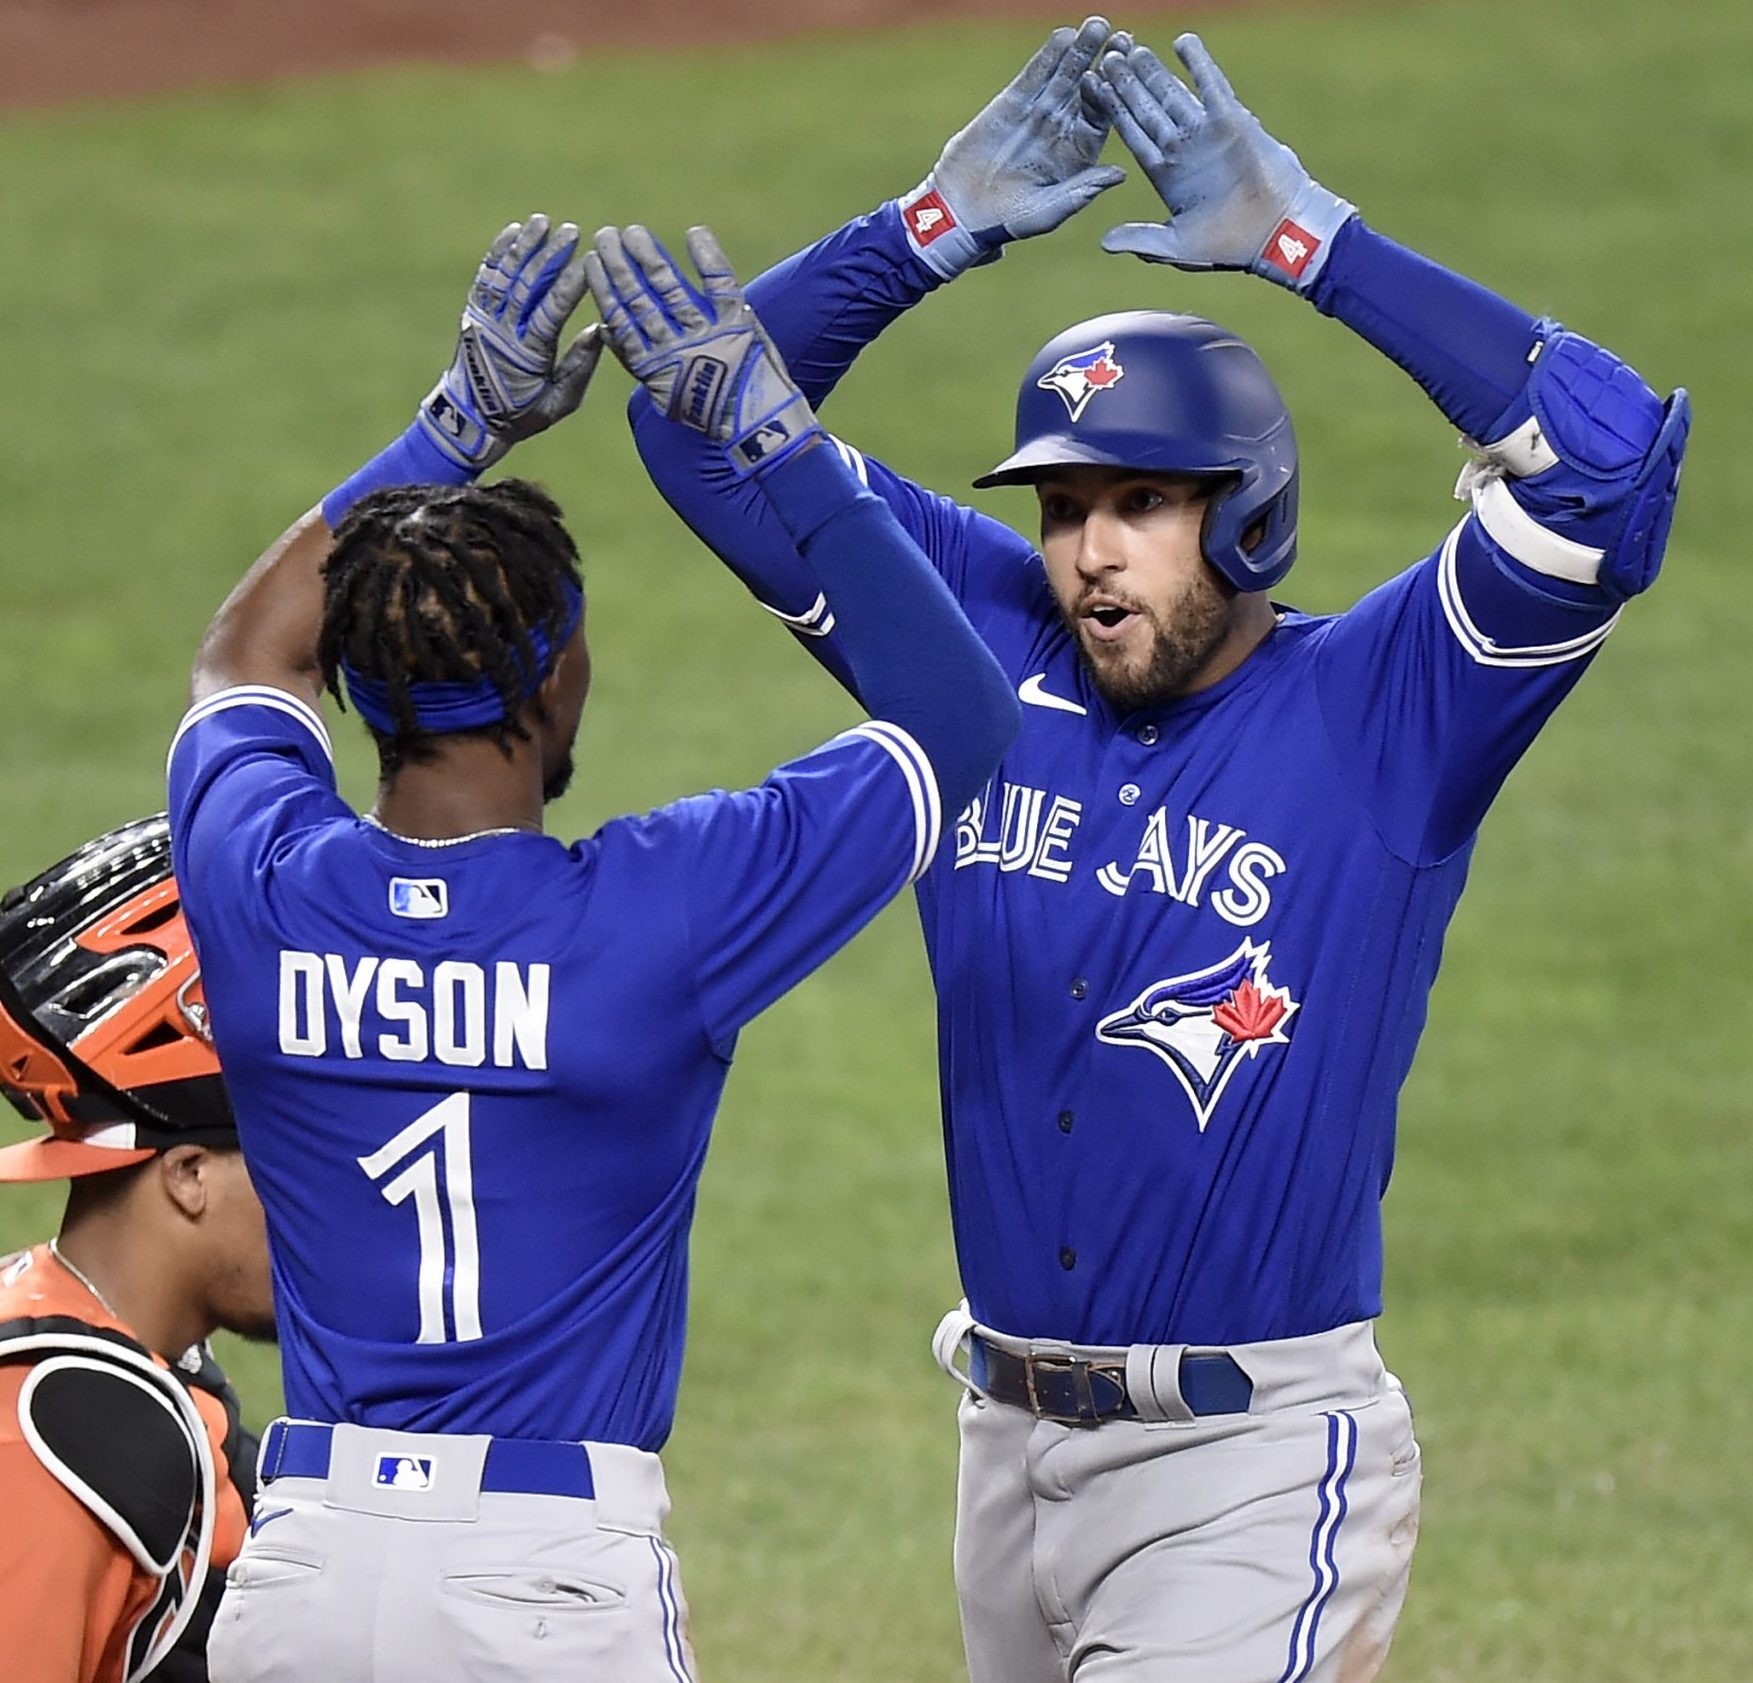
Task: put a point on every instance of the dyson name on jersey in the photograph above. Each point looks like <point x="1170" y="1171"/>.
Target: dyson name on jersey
<point x="1197" y="861"/>
<point x="456" y="1013"/>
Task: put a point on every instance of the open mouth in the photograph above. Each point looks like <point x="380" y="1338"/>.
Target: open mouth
<point x="1105" y="621"/>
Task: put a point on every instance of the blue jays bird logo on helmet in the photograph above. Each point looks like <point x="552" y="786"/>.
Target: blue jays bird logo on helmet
<point x="1203" y="1024"/>
<point x="1077" y="378"/>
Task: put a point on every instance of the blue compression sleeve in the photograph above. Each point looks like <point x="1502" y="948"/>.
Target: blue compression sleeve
<point x="1466" y="346"/>
<point x="413" y="459"/>
<point x="824" y="304"/>
<point x="915" y="659"/>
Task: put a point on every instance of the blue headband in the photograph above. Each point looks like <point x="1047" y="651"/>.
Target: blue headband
<point x="439" y="708"/>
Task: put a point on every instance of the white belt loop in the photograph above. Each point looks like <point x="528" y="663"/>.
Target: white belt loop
<point x="1153" y="1380"/>
<point x="951" y="1335"/>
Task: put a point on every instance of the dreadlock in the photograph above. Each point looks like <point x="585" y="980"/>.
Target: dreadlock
<point x="436" y="584"/>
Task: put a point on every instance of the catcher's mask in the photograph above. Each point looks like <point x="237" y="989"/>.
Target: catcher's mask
<point x="103" y="1024"/>
<point x="1165" y="393"/>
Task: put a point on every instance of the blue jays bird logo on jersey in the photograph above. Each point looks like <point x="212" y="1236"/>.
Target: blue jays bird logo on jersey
<point x="1202" y="1025"/>
<point x="1077" y="378"/>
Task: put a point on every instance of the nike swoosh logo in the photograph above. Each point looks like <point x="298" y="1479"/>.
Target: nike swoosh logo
<point x="267" y="1518"/>
<point x="1030" y="690"/>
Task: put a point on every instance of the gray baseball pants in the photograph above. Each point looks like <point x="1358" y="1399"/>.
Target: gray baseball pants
<point x="1271" y="1546"/>
<point x="396" y="1566"/>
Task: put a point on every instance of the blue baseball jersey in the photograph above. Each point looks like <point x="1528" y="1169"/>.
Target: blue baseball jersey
<point x="1182" y="956"/>
<point x="474" y="1082"/>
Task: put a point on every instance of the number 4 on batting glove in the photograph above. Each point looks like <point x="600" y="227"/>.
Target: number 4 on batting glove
<point x="1237" y="198"/>
<point x="700" y="351"/>
<point x="1027" y="162"/>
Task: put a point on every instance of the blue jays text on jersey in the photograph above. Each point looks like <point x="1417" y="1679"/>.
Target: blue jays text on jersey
<point x="475" y="1082"/>
<point x="1182" y="956"/>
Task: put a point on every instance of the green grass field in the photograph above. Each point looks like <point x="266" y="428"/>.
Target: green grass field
<point x="217" y="305"/>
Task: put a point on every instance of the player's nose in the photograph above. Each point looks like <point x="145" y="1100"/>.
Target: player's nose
<point x="1098" y="548"/>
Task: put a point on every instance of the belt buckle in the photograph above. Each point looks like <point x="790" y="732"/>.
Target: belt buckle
<point x="1083" y="1395"/>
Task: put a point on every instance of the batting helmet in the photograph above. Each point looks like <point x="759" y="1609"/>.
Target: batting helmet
<point x="103" y="1024"/>
<point x="1168" y="393"/>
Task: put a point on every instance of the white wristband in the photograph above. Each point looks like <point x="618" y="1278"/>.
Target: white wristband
<point x="936" y="235"/>
<point x="1297" y="250"/>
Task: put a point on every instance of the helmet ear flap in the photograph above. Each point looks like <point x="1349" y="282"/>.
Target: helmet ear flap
<point x="1250" y="541"/>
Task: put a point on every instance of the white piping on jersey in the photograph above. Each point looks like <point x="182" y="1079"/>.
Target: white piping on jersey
<point x="815" y="621"/>
<point x="853" y="459"/>
<point x="921" y="785"/>
<point x="255" y="695"/>
<point x="1515" y="531"/>
<point x="1484" y="649"/>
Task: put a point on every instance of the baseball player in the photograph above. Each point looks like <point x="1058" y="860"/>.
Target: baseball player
<point x="1184" y="939"/>
<point x="475" y="1068"/>
<point x="125" y="1476"/>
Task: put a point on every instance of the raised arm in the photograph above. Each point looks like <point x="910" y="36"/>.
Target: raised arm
<point x="701" y="354"/>
<point x="1436" y="682"/>
<point x="1024" y="164"/>
<point x="1579" y="461"/>
<point x="506" y="382"/>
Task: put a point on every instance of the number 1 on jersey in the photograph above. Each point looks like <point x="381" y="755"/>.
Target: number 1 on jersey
<point x="450" y="1253"/>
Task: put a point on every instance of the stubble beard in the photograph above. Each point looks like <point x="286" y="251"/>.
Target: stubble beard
<point x="1181" y="648"/>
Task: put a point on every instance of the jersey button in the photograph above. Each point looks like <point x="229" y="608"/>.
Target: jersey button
<point x="1079" y="987"/>
<point x="1065" y="1120"/>
<point x="1147" y="734"/>
<point x="1129" y="794"/>
<point x="1067" y="1258"/>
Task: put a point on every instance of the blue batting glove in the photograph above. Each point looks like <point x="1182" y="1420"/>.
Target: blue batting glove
<point x="699" y="350"/>
<point x="1024" y="165"/>
<point x="1237" y="198"/>
<point x="505" y="383"/>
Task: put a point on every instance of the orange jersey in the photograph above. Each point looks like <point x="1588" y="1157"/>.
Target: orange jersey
<point x="73" y="1597"/>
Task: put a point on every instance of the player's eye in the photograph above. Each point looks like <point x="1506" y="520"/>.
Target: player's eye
<point x="1057" y="508"/>
<point x="1143" y="499"/>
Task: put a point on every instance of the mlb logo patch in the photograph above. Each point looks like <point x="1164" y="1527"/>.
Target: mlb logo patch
<point x="419" y="897"/>
<point x="403" y="1472"/>
<point x="927" y="218"/>
<point x="1078" y="377"/>
<point x="1290" y="248"/>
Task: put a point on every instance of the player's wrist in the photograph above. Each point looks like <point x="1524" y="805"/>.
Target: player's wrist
<point x="1297" y="247"/>
<point x="938" y="234"/>
<point x="412" y="459"/>
<point x="811" y="487"/>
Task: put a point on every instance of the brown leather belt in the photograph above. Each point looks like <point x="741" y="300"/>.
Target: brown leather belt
<point x="1073" y="1391"/>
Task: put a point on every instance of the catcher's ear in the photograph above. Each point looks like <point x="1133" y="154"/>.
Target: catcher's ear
<point x="182" y="1172"/>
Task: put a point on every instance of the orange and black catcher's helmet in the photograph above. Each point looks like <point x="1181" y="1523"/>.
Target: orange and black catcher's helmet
<point x="103" y="1024"/>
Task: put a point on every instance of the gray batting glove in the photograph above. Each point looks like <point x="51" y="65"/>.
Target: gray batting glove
<point x="699" y="350"/>
<point x="505" y="383"/>
<point x="1024" y="165"/>
<point x="1237" y="198"/>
